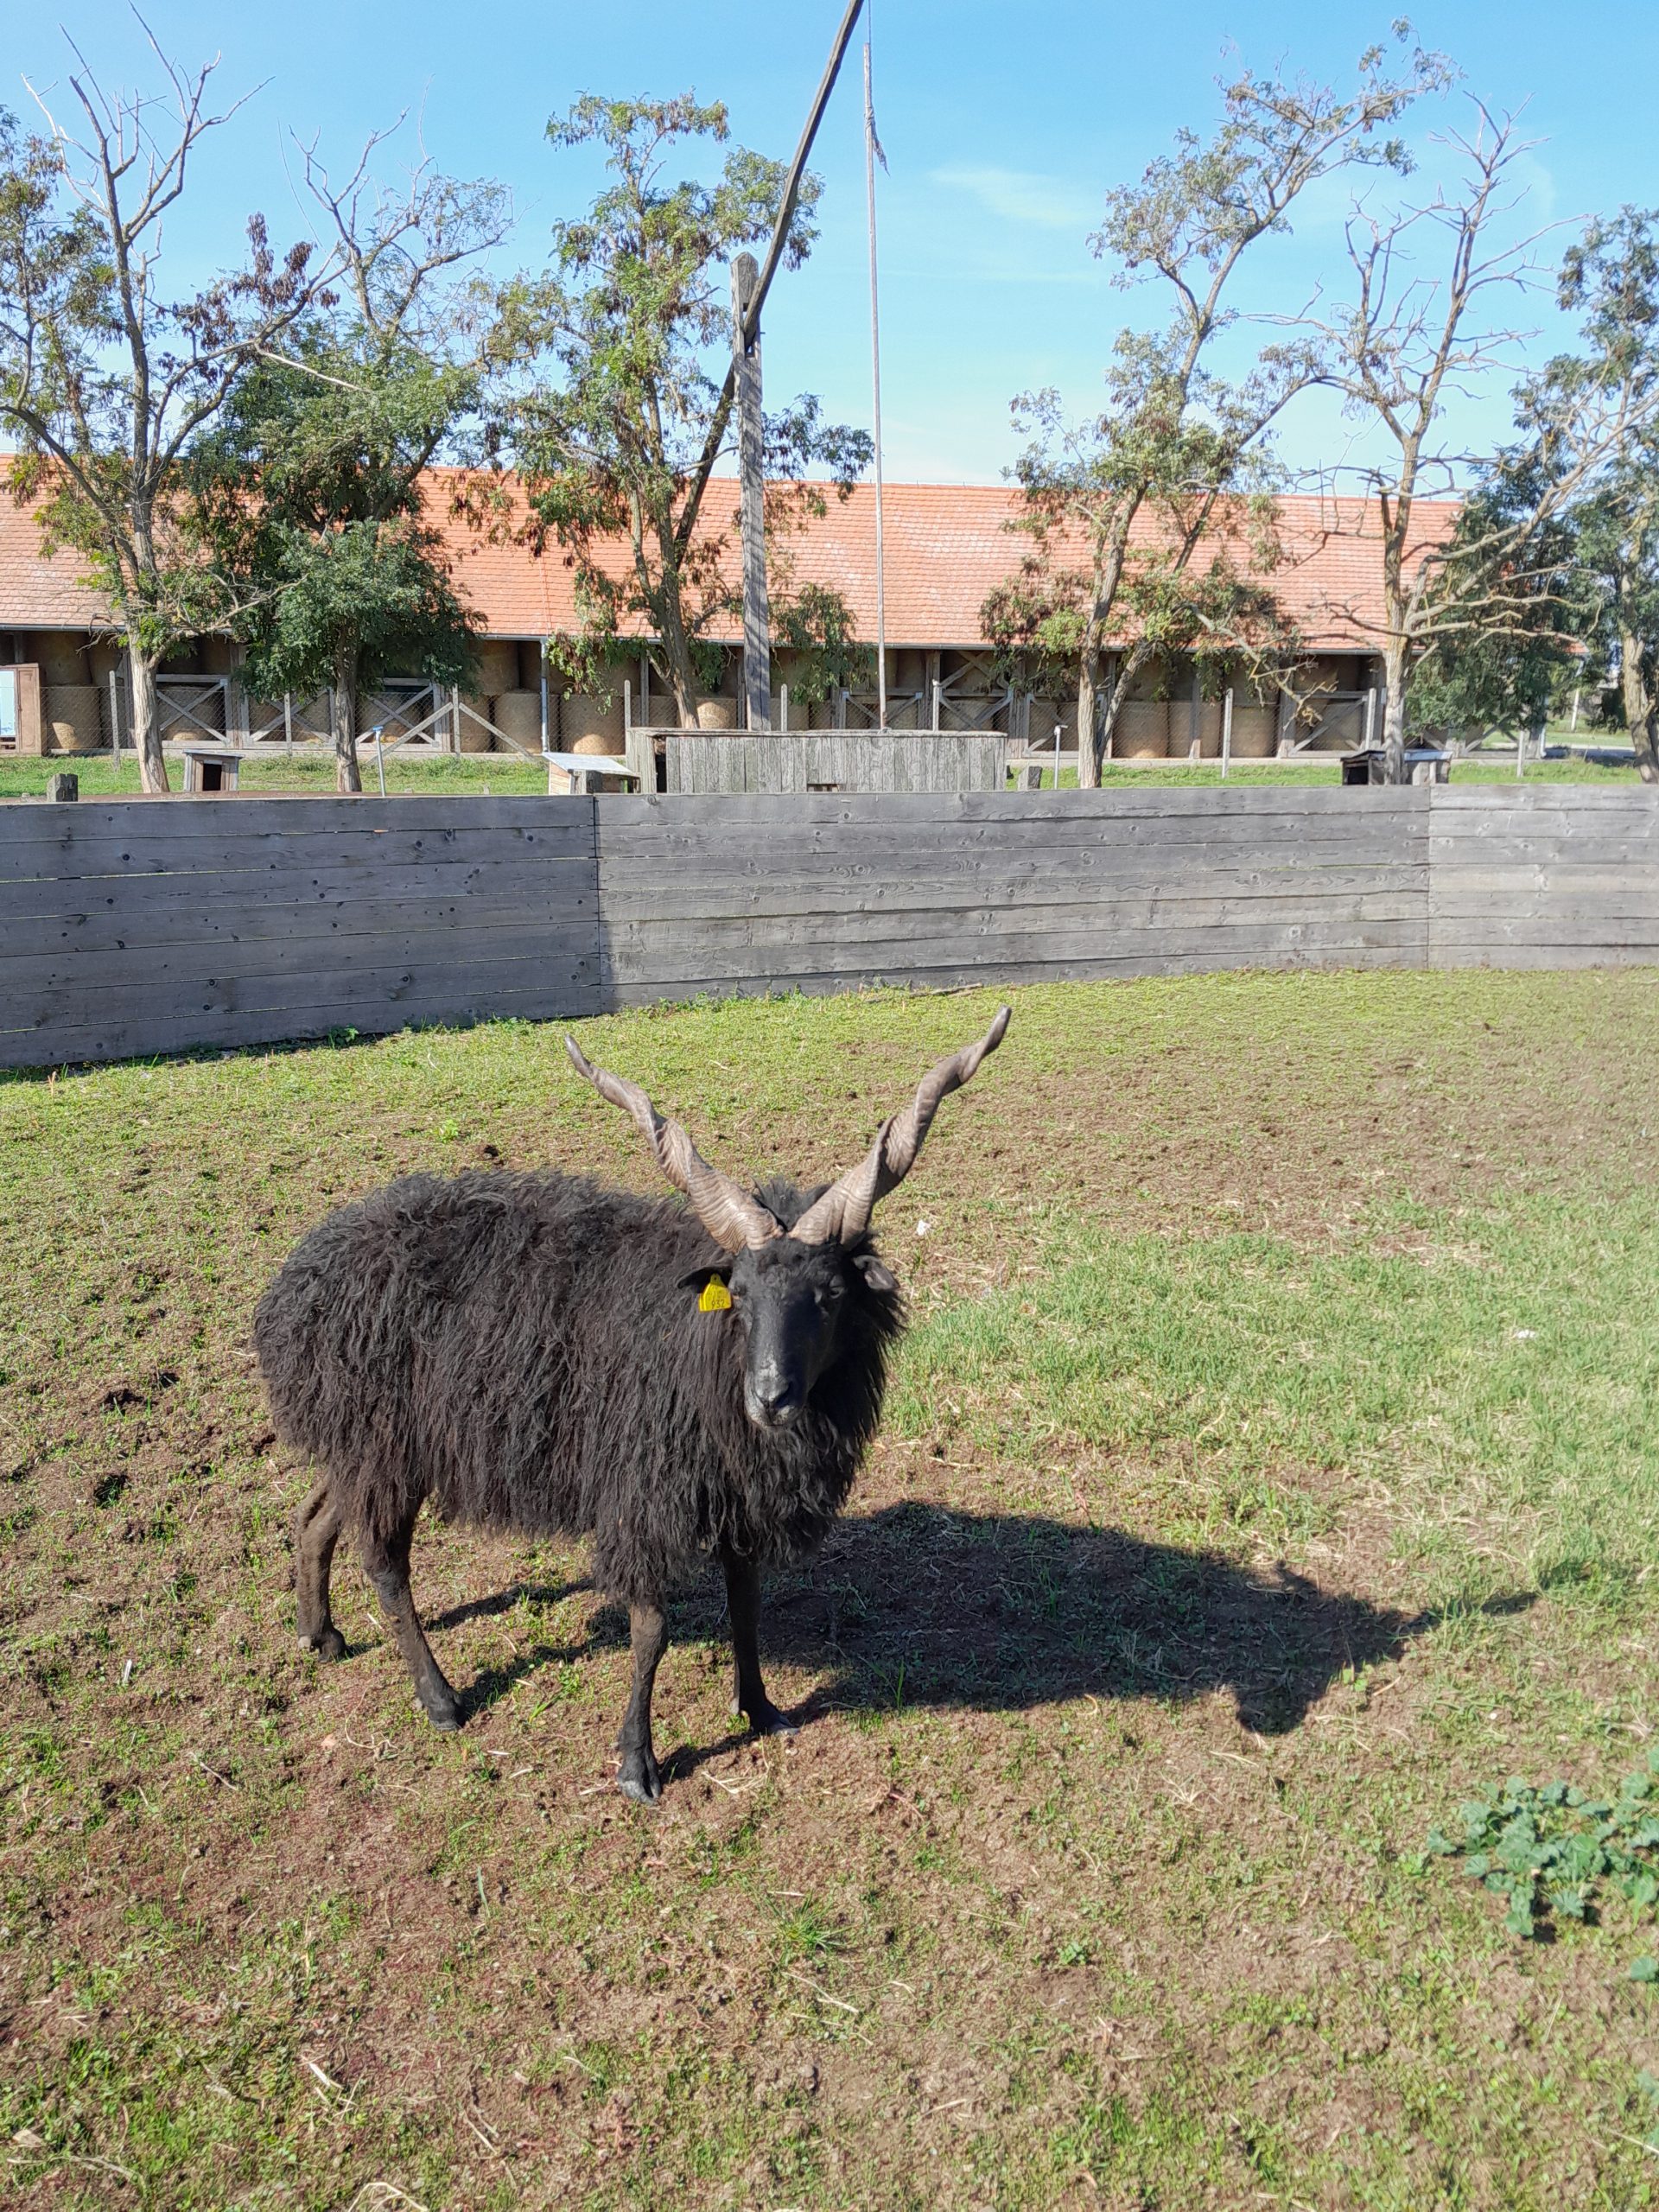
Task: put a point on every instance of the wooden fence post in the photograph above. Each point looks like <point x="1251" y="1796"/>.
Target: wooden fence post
<point x="757" y="621"/>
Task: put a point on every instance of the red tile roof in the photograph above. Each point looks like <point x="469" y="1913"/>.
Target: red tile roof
<point x="36" y="594"/>
<point x="946" y="546"/>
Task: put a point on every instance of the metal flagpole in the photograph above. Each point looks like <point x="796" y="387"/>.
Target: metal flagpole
<point x="872" y="152"/>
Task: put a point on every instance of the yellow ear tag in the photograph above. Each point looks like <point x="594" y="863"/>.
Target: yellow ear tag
<point x="715" y="1297"/>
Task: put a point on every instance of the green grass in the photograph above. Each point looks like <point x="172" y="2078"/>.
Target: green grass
<point x="470" y="776"/>
<point x="1326" y="771"/>
<point x="1269" y="1475"/>
<point x="506" y="776"/>
<point x="1494" y="1359"/>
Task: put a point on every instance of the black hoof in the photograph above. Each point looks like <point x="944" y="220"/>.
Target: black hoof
<point x="767" y="1720"/>
<point x="328" y="1643"/>
<point x="640" y="1779"/>
<point x="444" y="1713"/>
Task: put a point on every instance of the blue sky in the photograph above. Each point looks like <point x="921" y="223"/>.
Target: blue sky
<point x="1003" y="127"/>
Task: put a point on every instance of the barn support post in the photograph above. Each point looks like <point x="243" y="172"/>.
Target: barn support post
<point x="751" y="462"/>
<point x="1195" y="714"/>
<point x="1227" y="731"/>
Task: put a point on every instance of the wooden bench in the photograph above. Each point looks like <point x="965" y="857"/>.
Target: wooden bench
<point x="576" y="775"/>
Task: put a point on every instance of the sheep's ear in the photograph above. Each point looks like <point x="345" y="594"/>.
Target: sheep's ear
<point x="700" y="1278"/>
<point x="875" y="1273"/>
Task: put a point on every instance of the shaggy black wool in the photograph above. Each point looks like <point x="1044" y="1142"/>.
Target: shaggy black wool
<point x="522" y="1352"/>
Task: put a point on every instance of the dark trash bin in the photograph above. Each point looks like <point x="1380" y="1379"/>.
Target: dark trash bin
<point x="1425" y="764"/>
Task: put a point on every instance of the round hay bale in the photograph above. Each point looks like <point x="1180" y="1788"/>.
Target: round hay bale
<point x="498" y="666"/>
<point x="1256" y="731"/>
<point x="1142" y="730"/>
<point x="717" y="714"/>
<point x="474" y="738"/>
<point x="519" y="715"/>
<point x="70" y="714"/>
<point x="590" y="725"/>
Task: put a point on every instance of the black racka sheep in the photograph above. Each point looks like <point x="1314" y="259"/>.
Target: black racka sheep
<point x="541" y="1354"/>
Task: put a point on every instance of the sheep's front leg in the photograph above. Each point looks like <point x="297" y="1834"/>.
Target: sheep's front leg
<point x="638" y="1777"/>
<point x="387" y="1562"/>
<point x="743" y="1602"/>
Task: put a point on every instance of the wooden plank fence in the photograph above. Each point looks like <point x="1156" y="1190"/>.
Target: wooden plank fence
<point x="822" y="891"/>
<point x="130" y="927"/>
<point x="782" y="762"/>
<point x="137" y="926"/>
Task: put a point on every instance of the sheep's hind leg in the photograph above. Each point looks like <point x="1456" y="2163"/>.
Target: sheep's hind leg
<point x="387" y="1562"/>
<point x="315" y="1536"/>
<point x="743" y="1602"/>
<point x="638" y="1777"/>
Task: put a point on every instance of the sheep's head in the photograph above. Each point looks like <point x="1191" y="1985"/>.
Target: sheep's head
<point x="789" y="1285"/>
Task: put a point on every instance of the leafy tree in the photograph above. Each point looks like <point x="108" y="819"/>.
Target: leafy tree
<point x="815" y="624"/>
<point x="617" y="441"/>
<point x="1122" y="507"/>
<point x="106" y="378"/>
<point x="1505" y="664"/>
<point x="1555" y="564"/>
<point x="1592" y="421"/>
<point x="311" y="490"/>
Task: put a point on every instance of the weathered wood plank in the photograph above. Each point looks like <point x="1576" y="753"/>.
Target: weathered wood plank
<point x="126" y="1035"/>
<point x="540" y="886"/>
<point x="261" y="853"/>
<point x="1552" y="955"/>
<point x="685" y="896"/>
<point x="1111" y="916"/>
<point x="1616" y="913"/>
<point x="474" y="984"/>
<point x="670" y="963"/>
<point x="821" y="809"/>
<point x="158" y="968"/>
<point x="947" y="976"/>
<point x="569" y="821"/>
<point x="162" y="923"/>
<point x="1637" y="933"/>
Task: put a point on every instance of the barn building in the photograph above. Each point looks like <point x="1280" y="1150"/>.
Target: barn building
<point x="63" y="687"/>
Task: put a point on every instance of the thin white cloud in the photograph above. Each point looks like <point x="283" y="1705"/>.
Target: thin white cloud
<point x="1025" y="196"/>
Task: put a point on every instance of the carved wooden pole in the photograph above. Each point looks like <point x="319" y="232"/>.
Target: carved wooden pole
<point x="752" y="474"/>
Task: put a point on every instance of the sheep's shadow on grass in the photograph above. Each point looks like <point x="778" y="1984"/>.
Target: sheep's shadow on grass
<point x="503" y="1601"/>
<point x="925" y="1605"/>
